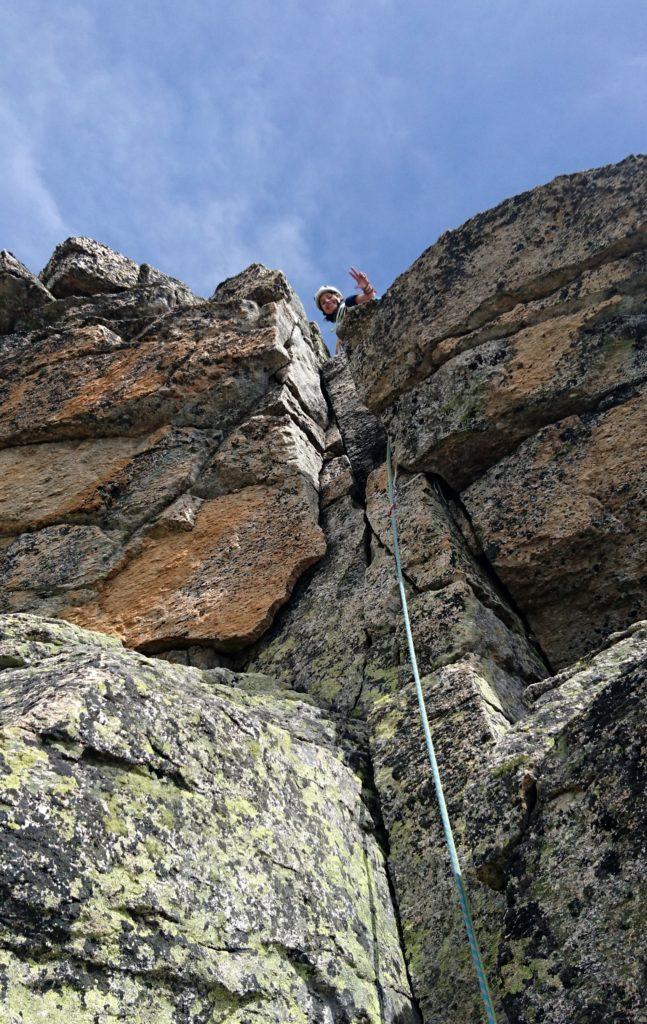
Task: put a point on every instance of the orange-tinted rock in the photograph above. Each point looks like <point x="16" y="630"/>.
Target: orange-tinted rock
<point x="479" y="405"/>
<point x="117" y="481"/>
<point x="529" y="315"/>
<point x="41" y="483"/>
<point x="264" y="449"/>
<point x="527" y="247"/>
<point x="561" y="520"/>
<point x="219" y="582"/>
<point x="127" y="421"/>
<point x="203" y="366"/>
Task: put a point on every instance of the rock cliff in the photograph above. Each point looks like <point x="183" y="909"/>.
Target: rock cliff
<point x="509" y="359"/>
<point x="215" y="803"/>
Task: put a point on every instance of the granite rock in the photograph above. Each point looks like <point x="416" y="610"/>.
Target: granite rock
<point x="342" y="641"/>
<point x="510" y="361"/>
<point x="207" y="484"/>
<point x="175" y="849"/>
<point x="362" y="433"/>
<point x="336" y="480"/>
<point x="219" y="580"/>
<point x="318" y="645"/>
<point x="524" y="249"/>
<point x="556" y="823"/>
<point x="567" y="537"/>
<point x="127" y="503"/>
<point x="81" y="266"/>
<point x="20" y="290"/>
<point x="479" y="405"/>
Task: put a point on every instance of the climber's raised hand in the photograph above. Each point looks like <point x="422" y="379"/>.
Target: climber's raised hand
<point x="363" y="285"/>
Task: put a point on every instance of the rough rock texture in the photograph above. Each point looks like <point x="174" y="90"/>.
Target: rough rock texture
<point x="258" y="284"/>
<point x="318" y="643"/>
<point x="536" y="408"/>
<point x="167" y="490"/>
<point x="20" y="290"/>
<point x="81" y="266"/>
<point x="178" y="850"/>
<point x="362" y="433"/>
<point x="510" y="360"/>
<point x="540" y="244"/>
<point x="204" y="482"/>
<point x="558" y="823"/>
<point x="149" y="277"/>
<point x="341" y="640"/>
<point x="568" y="540"/>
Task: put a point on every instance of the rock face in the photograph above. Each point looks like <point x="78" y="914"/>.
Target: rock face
<point x="19" y="291"/>
<point x="243" y="827"/>
<point x="341" y="640"/>
<point x="362" y="434"/>
<point x="81" y="266"/>
<point x="558" y="823"/>
<point x="178" y="849"/>
<point x="509" y="359"/>
<point x="168" y="490"/>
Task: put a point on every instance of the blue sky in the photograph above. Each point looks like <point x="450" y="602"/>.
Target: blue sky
<point x="205" y="136"/>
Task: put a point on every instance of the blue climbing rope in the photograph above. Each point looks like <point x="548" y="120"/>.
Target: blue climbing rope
<point x="440" y="796"/>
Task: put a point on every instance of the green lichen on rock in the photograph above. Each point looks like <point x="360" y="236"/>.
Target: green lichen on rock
<point x="556" y="820"/>
<point x="177" y="850"/>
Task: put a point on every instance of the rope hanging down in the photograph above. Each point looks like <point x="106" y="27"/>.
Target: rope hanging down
<point x="440" y="796"/>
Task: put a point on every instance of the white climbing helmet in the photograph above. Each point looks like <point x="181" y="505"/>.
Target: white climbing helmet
<point x="326" y="288"/>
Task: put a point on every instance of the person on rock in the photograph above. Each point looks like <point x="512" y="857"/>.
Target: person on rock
<point x="333" y="305"/>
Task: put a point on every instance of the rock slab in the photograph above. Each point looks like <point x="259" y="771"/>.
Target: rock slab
<point x="178" y="850"/>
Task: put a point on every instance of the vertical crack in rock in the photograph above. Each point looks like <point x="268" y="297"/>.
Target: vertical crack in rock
<point x="374" y="933"/>
<point x="461" y="518"/>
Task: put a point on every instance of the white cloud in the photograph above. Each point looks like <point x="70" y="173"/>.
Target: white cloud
<point x="304" y="137"/>
<point x="28" y="207"/>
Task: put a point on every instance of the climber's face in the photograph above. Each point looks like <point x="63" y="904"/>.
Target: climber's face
<point x="329" y="302"/>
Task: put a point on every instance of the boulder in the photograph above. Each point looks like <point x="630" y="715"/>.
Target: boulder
<point x="20" y="291"/>
<point x="259" y="284"/>
<point x="81" y="266"/>
<point x="173" y="847"/>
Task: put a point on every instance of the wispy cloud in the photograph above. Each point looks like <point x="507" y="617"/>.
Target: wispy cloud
<point x="307" y="137"/>
<point x="29" y="212"/>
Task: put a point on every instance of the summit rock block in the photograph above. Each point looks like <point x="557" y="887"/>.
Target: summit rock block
<point x="20" y="290"/>
<point x="81" y="266"/>
<point x="510" y="360"/>
<point x="127" y="504"/>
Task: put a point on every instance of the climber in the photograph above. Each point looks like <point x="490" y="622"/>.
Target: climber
<point x="333" y="305"/>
